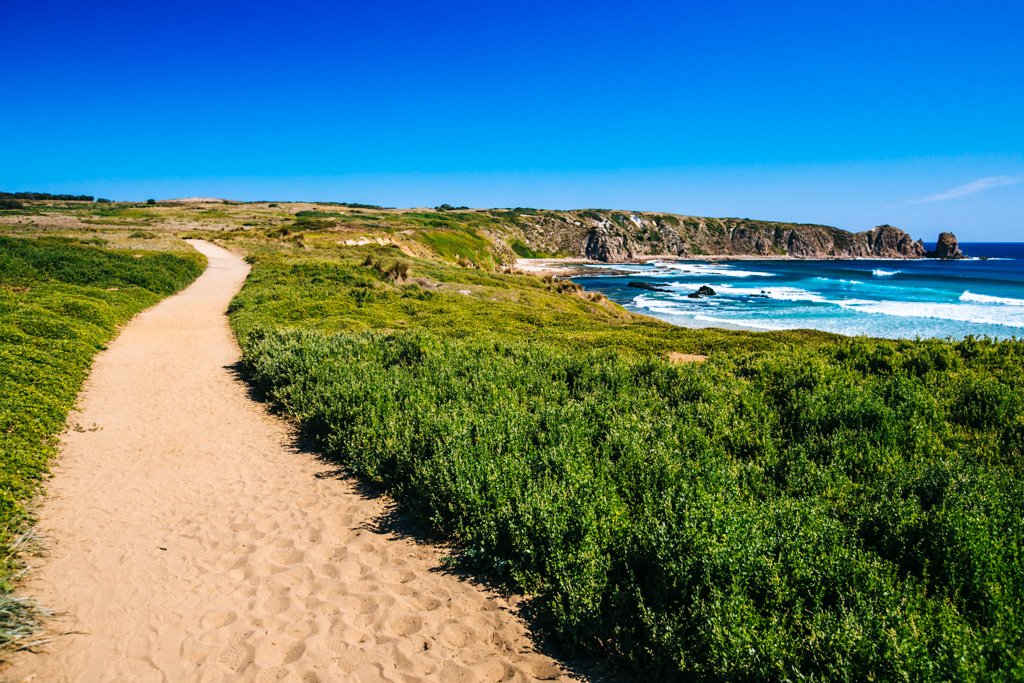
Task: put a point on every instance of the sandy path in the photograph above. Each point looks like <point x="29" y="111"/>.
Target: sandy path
<point x="187" y="540"/>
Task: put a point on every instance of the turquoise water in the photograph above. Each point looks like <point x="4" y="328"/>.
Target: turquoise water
<point x="983" y="295"/>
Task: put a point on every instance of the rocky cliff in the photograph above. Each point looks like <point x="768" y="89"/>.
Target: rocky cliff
<point x="626" y="236"/>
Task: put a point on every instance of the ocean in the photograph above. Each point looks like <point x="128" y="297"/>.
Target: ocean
<point x="979" y="296"/>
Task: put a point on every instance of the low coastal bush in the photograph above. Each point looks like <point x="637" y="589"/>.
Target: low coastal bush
<point x="60" y="302"/>
<point x="833" y="514"/>
<point x="846" y="509"/>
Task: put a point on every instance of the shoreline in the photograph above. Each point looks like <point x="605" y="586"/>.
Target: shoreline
<point x="572" y="266"/>
<point x="875" y="308"/>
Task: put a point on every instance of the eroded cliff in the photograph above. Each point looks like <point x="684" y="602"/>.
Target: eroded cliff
<point x="624" y="236"/>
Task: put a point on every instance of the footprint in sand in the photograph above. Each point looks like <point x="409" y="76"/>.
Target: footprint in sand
<point x="239" y="653"/>
<point x="277" y="604"/>
<point x="217" y="619"/>
<point x="347" y="657"/>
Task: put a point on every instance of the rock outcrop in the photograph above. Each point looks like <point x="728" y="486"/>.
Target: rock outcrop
<point x="649" y="286"/>
<point x="886" y="241"/>
<point x="622" y="236"/>
<point x="604" y="245"/>
<point x="947" y="247"/>
<point x="702" y="292"/>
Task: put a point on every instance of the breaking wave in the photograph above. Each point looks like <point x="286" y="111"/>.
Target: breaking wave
<point x="985" y="299"/>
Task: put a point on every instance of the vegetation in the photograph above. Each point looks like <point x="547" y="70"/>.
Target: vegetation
<point x="60" y="302"/>
<point x="522" y="250"/>
<point x="798" y="507"/>
<point x="356" y="292"/>
<point x="488" y="239"/>
<point x="35" y="196"/>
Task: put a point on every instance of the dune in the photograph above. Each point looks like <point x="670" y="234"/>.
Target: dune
<point x="187" y="538"/>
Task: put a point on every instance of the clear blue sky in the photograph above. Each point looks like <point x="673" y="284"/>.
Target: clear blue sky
<point x="850" y="114"/>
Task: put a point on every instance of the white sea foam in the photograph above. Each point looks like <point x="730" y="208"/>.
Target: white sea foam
<point x="985" y="314"/>
<point x="986" y="299"/>
<point x="707" y="269"/>
<point x="675" y="310"/>
<point x="878" y="272"/>
<point x="620" y="267"/>
<point x="970" y="308"/>
<point x="663" y="306"/>
<point x="845" y="282"/>
<point x="680" y="290"/>
<point x="744" y="322"/>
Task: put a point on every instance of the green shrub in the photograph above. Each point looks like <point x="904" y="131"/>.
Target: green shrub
<point x="525" y="251"/>
<point x="752" y="518"/>
<point x="801" y="506"/>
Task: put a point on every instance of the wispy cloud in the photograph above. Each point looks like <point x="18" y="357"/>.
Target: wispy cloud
<point x="979" y="185"/>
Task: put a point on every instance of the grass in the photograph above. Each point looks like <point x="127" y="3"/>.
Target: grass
<point x="18" y="619"/>
<point x="331" y="290"/>
<point x="801" y="506"/>
<point x="464" y="245"/>
<point x="522" y="250"/>
<point x="60" y="302"/>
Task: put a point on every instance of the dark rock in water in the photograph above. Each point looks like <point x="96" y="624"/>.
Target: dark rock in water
<point x="702" y="292"/>
<point x="648" y="285"/>
<point x="947" y="247"/>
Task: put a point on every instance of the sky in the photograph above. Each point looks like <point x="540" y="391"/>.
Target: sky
<point x="848" y="114"/>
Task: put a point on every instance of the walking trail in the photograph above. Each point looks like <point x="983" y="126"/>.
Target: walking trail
<point x="188" y="540"/>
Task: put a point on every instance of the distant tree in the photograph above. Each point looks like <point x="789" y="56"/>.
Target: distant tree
<point x="101" y="200"/>
<point x="45" y="196"/>
<point x="10" y="204"/>
<point x="355" y="205"/>
<point x="151" y="201"/>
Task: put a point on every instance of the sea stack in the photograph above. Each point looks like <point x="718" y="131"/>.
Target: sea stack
<point x="947" y="247"/>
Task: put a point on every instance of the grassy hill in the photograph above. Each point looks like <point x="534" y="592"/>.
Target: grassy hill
<point x="488" y="238"/>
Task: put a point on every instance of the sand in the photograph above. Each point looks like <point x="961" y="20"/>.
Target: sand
<point x="684" y="358"/>
<point x="558" y="267"/>
<point x="187" y="539"/>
